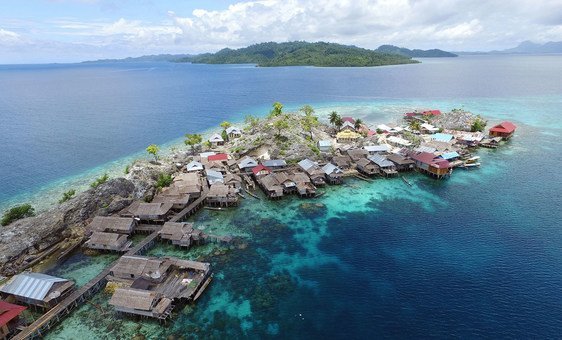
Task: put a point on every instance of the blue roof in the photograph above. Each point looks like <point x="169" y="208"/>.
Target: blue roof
<point x="442" y="137"/>
<point x="450" y="155"/>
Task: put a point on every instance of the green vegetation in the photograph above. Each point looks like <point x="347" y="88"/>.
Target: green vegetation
<point x="67" y="195"/>
<point x="99" y="181"/>
<point x="309" y="120"/>
<point x="127" y="169"/>
<point x="479" y="124"/>
<point x="434" y="53"/>
<point x="358" y="124"/>
<point x="164" y="180"/>
<point x="336" y="120"/>
<point x="225" y="125"/>
<point x="192" y="140"/>
<point x="277" y="110"/>
<point x="153" y="150"/>
<point x="281" y="124"/>
<point x="17" y="213"/>
<point x="300" y="53"/>
<point x="415" y="125"/>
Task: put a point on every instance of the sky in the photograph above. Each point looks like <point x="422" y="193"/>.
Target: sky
<point x="43" y="31"/>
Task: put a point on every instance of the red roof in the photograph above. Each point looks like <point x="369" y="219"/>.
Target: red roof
<point x="430" y="159"/>
<point x="259" y="168"/>
<point x="505" y="127"/>
<point x="348" y="119"/>
<point x="9" y="311"/>
<point x="432" y="113"/>
<point x="371" y="133"/>
<point x="218" y="157"/>
<point x="411" y="114"/>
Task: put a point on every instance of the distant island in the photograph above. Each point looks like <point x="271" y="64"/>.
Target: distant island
<point x="144" y="58"/>
<point x="300" y="53"/>
<point x="525" y="47"/>
<point x="416" y="53"/>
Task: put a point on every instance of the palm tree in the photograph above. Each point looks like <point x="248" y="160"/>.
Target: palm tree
<point x="334" y="116"/>
<point x="338" y="123"/>
<point x="358" y="124"/>
<point x="307" y="109"/>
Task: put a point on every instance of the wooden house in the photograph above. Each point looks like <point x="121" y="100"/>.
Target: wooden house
<point x="216" y="140"/>
<point x="141" y="302"/>
<point x="113" y="224"/>
<point x="431" y="164"/>
<point x="286" y="182"/>
<point x="386" y="167"/>
<point x="348" y="126"/>
<point x="233" y="132"/>
<point x="222" y="195"/>
<point x="233" y="181"/>
<point x="491" y="143"/>
<point x="173" y="196"/>
<point x="314" y="171"/>
<point x="357" y="154"/>
<point x="504" y="130"/>
<point x="270" y="186"/>
<point x="261" y="170"/>
<point x="108" y="241"/>
<point x="37" y="289"/>
<point x="304" y="185"/>
<point x="342" y="161"/>
<point x="366" y="167"/>
<point x="374" y="149"/>
<point x="180" y="234"/>
<point x="219" y="157"/>
<point x="246" y="164"/>
<point x="275" y="164"/>
<point x="153" y="286"/>
<point x="402" y="163"/>
<point x="189" y="183"/>
<point x="334" y="175"/>
<point x="152" y="212"/>
<point x="9" y="319"/>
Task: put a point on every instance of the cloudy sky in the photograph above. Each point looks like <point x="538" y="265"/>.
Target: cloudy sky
<point x="74" y="30"/>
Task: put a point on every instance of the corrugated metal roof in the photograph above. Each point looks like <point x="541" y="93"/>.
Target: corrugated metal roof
<point x="306" y="164"/>
<point x="233" y="129"/>
<point x="442" y="137"/>
<point x="275" y="162"/>
<point x="331" y="168"/>
<point x="427" y="149"/>
<point x="30" y="285"/>
<point x="377" y="148"/>
<point x="194" y="165"/>
<point x="247" y="162"/>
<point x="216" y="138"/>
<point x="450" y="155"/>
<point x="381" y="161"/>
<point x="325" y="143"/>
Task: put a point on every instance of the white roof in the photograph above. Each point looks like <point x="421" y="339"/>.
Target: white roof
<point x="324" y="143"/>
<point x="216" y="138"/>
<point x="204" y="155"/>
<point x="233" y="129"/>
<point x="214" y="176"/>
<point x="306" y="164"/>
<point x="377" y="148"/>
<point x="247" y="162"/>
<point x="398" y="140"/>
<point x="381" y="161"/>
<point x="274" y="162"/>
<point x="194" y="166"/>
<point x="429" y="127"/>
<point x="347" y="123"/>
<point x="331" y="168"/>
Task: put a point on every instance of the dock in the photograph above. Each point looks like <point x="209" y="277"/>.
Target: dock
<point x="48" y="320"/>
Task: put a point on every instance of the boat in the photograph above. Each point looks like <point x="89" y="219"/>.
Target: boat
<point x="406" y="181"/>
<point x="472" y="160"/>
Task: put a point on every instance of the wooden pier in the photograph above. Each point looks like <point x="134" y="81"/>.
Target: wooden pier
<point x="193" y="207"/>
<point x="44" y="323"/>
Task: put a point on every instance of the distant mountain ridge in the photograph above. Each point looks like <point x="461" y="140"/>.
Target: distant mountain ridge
<point x="144" y="58"/>
<point x="416" y="53"/>
<point x="301" y="53"/>
<point x="525" y="47"/>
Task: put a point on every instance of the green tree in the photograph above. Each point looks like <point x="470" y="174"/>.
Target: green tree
<point x="358" y="124"/>
<point x="334" y="117"/>
<point x="17" y="213"/>
<point x="153" y="150"/>
<point x="280" y="125"/>
<point x="99" y="181"/>
<point x="415" y="125"/>
<point x="164" y="180"/>
<point x="478" y="125"/>
<point x="338" y="123"/>
<point x="309" y="122"/>
<point x="251" y="121"/>
<point x="225" y="125"/>
<point x="193" y="139"/>
<point x="67" y="195"/>
<point x="277" y="109"/>
<point x="307" y="110"/>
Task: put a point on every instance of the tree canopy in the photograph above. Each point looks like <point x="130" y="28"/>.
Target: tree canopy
<point x="193" y="139"/>
<point x="17" y="213"/>
<point x="153" y="150"/>
<point x="225" y="125"/>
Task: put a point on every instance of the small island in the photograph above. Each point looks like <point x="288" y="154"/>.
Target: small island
<point x="279" y="156"/>
<point x="301" y="53"/>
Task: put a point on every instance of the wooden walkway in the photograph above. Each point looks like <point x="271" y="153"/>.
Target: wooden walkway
<point x="54" y="315"/>
<point x="193" y="207"/>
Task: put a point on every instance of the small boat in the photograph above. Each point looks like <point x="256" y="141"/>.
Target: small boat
<point x="406" y="181"/>
<point x="472" y="160"/>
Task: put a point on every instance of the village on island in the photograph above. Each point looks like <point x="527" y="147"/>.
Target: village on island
<point x="280" y="155"/>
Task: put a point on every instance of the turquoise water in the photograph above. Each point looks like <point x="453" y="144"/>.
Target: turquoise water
<point x="475" y="256"/>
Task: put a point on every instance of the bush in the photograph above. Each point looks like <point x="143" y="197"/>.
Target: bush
<point x="67" y="195"/>
<point x="99" y="181"/>
<point x="478" y="125"/>
<point x="17" y="213"/>
<point x="164" y="180"/>
<point x="127" y="169"/>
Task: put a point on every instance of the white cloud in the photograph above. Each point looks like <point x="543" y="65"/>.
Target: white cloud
<point x="448" y="24"/>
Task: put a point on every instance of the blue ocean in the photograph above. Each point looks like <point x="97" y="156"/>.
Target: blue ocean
<point x="475" y="256"/>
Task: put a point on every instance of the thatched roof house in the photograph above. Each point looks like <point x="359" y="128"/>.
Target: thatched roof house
<point x="153" y="212"/>
<point x="289" y="186"/>
<point x="141" y="302"/>
<point x="270" y="186"/>
<point x="367" y="167"/>
<point x="222" y="195"/>
<point x="114" y="224"/>
<point x="178" y="233"/>
<point x="108" y="241"/>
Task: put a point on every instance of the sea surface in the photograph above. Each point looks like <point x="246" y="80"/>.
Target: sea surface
<point x="475" y="256"/>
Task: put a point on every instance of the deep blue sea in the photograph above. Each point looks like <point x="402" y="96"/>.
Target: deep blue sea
<point x="475" y="256"/>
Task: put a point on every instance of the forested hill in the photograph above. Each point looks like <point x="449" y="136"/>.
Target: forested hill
<point x="433" y="53"/>
<point x="300" y="53"/>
